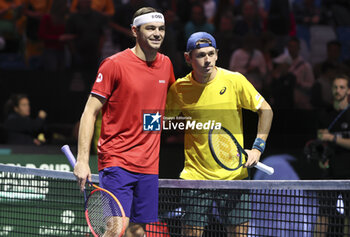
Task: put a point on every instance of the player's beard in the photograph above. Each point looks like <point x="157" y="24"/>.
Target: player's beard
<point x="149" y="46"/>
<point x="340" y="98"/>
<point x="152" y="45"/>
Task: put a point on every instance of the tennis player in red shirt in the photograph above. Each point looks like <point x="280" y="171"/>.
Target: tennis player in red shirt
<point x="130" y="86"/>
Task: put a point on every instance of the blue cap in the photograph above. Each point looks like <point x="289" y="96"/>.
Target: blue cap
<point x="191" y="42"/>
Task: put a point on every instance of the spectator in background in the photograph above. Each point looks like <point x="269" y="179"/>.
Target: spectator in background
<point x="20" y="127"/>
<point x="269" y="51"/>
<point x="198" y="22"/>
<point x="184" y="10"/>
<point x="120" y="24"/>
<point x="225" y="6"/>
<point x="105" y="7"/>
<point x="322" y="89"/>
<point x="339" y="10"/>
<point x="52" y="26"/>
<point x="306" y="14"/>
<point x="279" y="22"/>
<point x="10" y="19"/>
<point x="333" y="58"/>
<point x="170" y="46"/>
<point x="227" y="41"/>
<point x="209" y="9"/>
<point x="324" y="74"/>
<point x="85" y="35"/>
<point x="250" y="21"/>
<point x="282" y="84"/>
<point x="334" y="131"/>
<point x="249" y="61"/>
<point x="304" y="76"/>
<point x="34" y="10"/>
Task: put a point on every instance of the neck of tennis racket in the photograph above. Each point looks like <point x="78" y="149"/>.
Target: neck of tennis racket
<point x="70" y="157"/>
<point x="66" y="150"/>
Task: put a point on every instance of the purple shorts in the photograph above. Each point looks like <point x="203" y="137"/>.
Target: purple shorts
<point x="137" y="192"/>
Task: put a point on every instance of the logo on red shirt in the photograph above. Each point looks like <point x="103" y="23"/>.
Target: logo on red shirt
<point x="99" y="77"/>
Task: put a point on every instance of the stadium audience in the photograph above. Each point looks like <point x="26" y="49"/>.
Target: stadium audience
<point x="11" y="25"/>
<point x="303" y="73"/>
<point x="249" y="61"/>
<point x="85" y="31"/>
<point x="249" y="20"/>
<point x="52" y="26"/>
<point x="228" y="41"/>
<point x="198" y="22"/>
<point x="105" y="7"/>
<point x="34" y="46"/>
<point x="274" y="23"/>
<point x="120" y="24"/>
<point x="333" y="58"/>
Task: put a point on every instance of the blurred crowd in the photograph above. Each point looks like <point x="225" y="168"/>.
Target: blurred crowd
<point x="288" y="49"/>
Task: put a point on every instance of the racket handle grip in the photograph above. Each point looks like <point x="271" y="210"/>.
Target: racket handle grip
<point x="66" y="150"/>
<point x="265" y="168"/>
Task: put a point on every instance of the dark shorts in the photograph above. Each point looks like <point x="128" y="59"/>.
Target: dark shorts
<point x="138" y="193"/>
<point x="202" y="205"/>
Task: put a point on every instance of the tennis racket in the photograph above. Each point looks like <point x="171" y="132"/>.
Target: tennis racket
<point x="103" y="212"/>
<point x="228" y="153"/>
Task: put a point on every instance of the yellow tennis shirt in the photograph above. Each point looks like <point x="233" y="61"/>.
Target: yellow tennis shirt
<point x="219" y="101"/>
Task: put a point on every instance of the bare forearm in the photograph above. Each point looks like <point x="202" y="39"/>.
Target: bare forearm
<point x="86" y="131"/>
<point x="265" y="120"/>
<point x="87" y="125"/>
<point x="343" y="142"/>
<point x="325" y="135"/>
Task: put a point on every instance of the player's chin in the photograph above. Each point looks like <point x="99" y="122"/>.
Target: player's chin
<point x="208" y="70"/>
<point x="156" y="44"/>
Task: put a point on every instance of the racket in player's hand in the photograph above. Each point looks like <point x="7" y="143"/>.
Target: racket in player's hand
<point x="228" y="153"/>
<point x="103" y="212"/>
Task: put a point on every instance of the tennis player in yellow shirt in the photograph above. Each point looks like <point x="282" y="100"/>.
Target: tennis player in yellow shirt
<point x="212" y="95"/>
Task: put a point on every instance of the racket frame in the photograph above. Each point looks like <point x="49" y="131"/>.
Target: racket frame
<point x="239" y="148"/>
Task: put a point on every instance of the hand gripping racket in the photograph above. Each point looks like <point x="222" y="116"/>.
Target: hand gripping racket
<point x="228" y="153"/>
<point x="103" y="212"/>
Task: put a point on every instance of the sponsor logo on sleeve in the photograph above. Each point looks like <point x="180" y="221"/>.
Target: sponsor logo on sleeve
<point x="99" y="77"/>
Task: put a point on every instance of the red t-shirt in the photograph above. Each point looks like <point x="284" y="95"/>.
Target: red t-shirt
<point x="132" y="87"/>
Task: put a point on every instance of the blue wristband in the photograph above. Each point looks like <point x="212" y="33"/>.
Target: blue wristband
<point x="259" y="144"/>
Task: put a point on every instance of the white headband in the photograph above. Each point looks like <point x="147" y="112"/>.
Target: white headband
<point x="147" y="18"/>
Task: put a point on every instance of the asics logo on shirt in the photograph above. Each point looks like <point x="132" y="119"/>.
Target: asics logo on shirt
<point x="223" y="90"/>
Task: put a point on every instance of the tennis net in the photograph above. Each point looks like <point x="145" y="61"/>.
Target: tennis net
<point x="36" y="202"/>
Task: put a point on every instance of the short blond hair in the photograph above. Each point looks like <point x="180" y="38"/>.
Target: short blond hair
<point x="142" y="11"/>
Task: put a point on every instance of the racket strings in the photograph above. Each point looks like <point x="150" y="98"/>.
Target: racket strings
<point x="226" y="150"/>
<point x="101" y="209"/>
